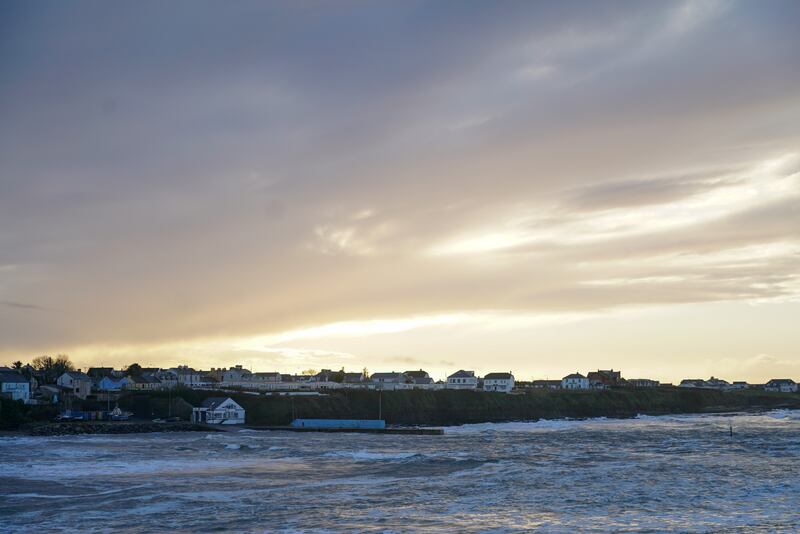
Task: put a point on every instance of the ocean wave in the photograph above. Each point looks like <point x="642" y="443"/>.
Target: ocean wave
<point x="367" y="456"/>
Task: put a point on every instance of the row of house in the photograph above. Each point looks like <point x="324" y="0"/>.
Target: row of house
<point x="600" y="379"/>
<point x="784" y="385"/>
<point x="106" y="380"/>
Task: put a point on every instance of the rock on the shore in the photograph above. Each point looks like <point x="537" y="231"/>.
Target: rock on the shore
<point x="75" y="428"/>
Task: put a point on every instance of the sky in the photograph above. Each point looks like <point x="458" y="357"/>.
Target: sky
<point x="536" y="187"/>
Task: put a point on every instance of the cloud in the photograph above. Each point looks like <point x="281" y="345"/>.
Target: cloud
<point x="265" y="172"/>
<point x="20" y="305"/>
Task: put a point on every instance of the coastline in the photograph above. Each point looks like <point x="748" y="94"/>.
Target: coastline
<point x="76" y="428"/>
<point x="404" y="410"/>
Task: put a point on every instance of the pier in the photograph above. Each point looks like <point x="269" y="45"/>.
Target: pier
<point x="400" y="430"/>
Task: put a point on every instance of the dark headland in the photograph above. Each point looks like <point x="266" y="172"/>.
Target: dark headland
<point x="416" y="407"/>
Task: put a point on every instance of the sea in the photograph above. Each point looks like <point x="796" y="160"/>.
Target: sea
<point x="646" y="474"/>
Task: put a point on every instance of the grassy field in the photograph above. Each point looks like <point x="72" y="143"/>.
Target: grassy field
<point x="453" y="407"/>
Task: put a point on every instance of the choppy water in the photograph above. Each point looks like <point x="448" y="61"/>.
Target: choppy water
<point x="654" y="474"/>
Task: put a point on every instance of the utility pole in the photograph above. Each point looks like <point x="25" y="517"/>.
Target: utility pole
<point x="380" y="404"/>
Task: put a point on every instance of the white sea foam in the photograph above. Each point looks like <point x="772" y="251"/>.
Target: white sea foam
<point x="364" y="455"/>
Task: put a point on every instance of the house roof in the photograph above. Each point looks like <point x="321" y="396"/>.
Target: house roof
<point x="77" y="375"/>
<point x="268" y="374"/>
<point x="417" y="374"/>
<point x="213" y="402"/>
<point x="11" y="377"/>
<point x="574" y="375"/>
<point x="463" y="374"/>
<point x="422" y="380"/>
<point x="386" y="375"/>
<point x="353" y="377"/>
<point x="184" y="370"/>
<point x="144" y="379"/>
<point x="781" y="381"/>
<point x="499" y="376"/>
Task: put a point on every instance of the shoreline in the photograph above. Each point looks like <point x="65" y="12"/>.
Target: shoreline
<point x="78" y="428"/>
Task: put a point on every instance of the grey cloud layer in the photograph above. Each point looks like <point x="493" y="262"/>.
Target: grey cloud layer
<point x="172" y="170"/>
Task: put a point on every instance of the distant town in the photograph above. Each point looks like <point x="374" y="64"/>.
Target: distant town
<point x="48" y="380"/>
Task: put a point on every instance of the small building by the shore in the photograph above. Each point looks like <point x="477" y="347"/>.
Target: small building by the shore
<point x="219" y="411"/>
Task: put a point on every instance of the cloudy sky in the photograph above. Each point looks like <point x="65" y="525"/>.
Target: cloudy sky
<point x="536" y="187"/>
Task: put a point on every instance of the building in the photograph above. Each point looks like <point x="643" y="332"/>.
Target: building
<point x="740" y="385"/>
<point x="266" y="378"/>
<point x="219" y="411"/>
<point x="717" y="383"/>
<point x="388" y="378"/>
<point x="14" y="386"/>
<point x="168" y="378"/>
<point x="419" y="378"/>
<point x="503" y="382"/>
<point x="784" y="385"/>
<point x="143" y="382"/>
<point x="48" y="394"/>
<point x="605" y="378"/>
<point x="99" y="372"/>
<point x="187" y="376"/>
<point x="354" y="378"/>
<point x="711" y="383"/>
<point x="326" y="375"/>
<point x="575" y="381"/>
<point x="339" y="423"/>
<point x="546" y="384"/>
<point x="111" y="384"/>
<point x="641" y="383"/>
<point x="462" y="380"/>
<point x="77" y="383"/>
<point x="235" y="375"/>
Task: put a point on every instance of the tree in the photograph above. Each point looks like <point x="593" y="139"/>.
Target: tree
<point x="134" y="369"/>
<point x="17" y="365"/>
<point x="62" y="364"/>
<point x="44" y="366"/>
<point x="51" y="368"/>
<point x="309" y="372"/>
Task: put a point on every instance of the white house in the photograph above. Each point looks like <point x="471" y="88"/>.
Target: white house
<point x="187" y="376"/>
<point x="711" y="383"/>
<point x="168" y="378"/>
<point x="79" y="384"/>
<point x="575" y="381"/>
<point x="784" y="385"/>
<point x="503" y="382"/>
<point x="266" y="378"/>
<point x="236" y="375"/>
<point x="219" y="411"/>
<point x="15" y="386"/>
<point x="462" y="380"/>
<point x="419" y="378"/>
